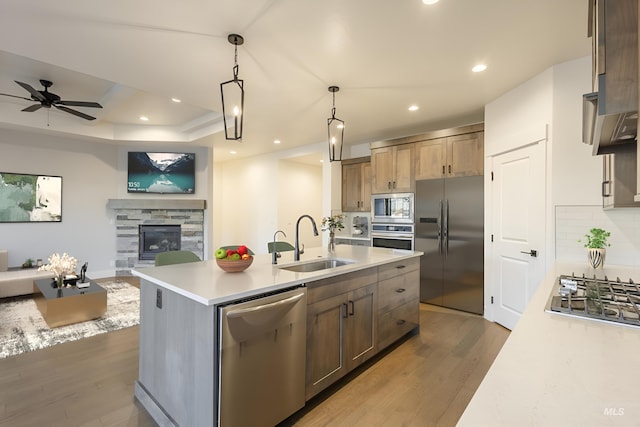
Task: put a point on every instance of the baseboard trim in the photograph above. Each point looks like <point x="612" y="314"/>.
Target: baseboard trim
<point x="152" y="407"/>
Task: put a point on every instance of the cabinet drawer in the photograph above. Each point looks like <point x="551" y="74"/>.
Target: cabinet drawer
<point x="395" y="323"/>
<point x="390" y="270"/>
<point x="326" y="288"/>
<point x="398" y="290"/>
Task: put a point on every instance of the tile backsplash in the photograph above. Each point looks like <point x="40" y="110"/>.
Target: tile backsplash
<point x="573" y="222"/>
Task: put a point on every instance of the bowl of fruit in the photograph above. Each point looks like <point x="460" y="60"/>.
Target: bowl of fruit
<point x="234" y="259"/>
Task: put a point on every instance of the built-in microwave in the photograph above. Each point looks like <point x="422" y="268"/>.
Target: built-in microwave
<point x="392" y="208"/>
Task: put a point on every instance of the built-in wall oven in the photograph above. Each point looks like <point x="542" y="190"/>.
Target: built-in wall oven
<point x="392" y="221"/>
<point x="393" y="236"/>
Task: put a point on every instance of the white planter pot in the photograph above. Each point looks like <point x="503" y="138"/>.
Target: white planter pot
<point x="596" y="257"/>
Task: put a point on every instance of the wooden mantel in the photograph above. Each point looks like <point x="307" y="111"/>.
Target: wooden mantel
<point x="157" y="204"/>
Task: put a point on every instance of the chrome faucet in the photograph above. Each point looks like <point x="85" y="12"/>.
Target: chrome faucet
<point x="296" y="249"/>
<point x="275" y="254"/>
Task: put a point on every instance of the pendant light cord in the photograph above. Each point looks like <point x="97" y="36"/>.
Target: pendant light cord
<point x="235" y="62"/>
<point x="333" y="110"/>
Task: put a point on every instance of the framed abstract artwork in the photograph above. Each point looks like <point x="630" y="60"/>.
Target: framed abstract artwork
<point x="30" y="198"/>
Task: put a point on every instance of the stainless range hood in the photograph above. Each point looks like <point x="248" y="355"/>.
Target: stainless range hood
<point x="606" y="131"/>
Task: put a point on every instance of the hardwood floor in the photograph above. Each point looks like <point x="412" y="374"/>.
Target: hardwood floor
<point x="427" y="379"/>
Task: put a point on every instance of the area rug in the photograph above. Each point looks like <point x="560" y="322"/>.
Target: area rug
<point x="23" y="329"/>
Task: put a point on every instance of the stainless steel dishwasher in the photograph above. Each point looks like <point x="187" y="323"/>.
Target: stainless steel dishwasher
<point x="262" y="359"/>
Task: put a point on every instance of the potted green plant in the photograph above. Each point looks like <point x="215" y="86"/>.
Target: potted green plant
<point x="332" y="223"/>
<point x="596" y="246"/>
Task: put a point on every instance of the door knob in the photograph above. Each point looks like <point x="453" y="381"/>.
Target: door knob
<point x="532" y="252"/>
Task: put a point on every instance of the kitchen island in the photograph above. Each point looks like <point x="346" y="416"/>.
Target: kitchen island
<point x="556" y="370"/>
<point x="180" y="323"/>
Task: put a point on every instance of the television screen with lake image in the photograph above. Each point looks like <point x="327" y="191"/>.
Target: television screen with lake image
<point x="30" y="198"/>
<point x="162" y="173"/>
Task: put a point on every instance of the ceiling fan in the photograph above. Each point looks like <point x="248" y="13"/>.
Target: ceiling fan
<point x="48" y="99"/>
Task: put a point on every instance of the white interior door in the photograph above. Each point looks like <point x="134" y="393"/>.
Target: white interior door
<point x="518" y="228"/>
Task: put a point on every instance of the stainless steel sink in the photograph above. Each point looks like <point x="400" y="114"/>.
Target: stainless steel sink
<point x="316" y="265"/>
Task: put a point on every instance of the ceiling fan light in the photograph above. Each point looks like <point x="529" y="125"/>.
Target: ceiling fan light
<point x="232" y="93"/>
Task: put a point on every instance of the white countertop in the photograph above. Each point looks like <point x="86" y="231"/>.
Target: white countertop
<point x="206" y="283"/>
<point x="556" y="370"/>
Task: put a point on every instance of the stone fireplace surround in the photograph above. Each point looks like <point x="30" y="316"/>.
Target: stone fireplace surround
<point x="130" y="213"/>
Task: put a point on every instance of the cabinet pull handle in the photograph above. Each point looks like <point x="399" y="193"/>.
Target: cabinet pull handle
<point x="443" y="171"/>
<point x="400" y="290"/>
<point x="604" y="193"/>
<point x="449" y="168"/>
<point x="400" y="322"/>
<point x="394" y="184"/>
<point x="399" y="267"/>
<point x="353" y="308"/>
<point x="346" y="313"/>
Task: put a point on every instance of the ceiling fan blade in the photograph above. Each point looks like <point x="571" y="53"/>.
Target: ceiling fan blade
<point x="34" y="107"/>
<point x="79" y="104"/>
<point x="34" y="93"/>
<point x="14" y="96"/>
<point x="74" y="112"/>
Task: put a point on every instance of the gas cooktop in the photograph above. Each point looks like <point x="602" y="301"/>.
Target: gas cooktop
<point x="597" y="299"/>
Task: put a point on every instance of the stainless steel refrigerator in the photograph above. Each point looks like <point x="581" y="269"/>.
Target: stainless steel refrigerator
<point x="450" y="231"/>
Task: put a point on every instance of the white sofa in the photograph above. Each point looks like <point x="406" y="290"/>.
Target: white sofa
<point x="18" y="282"/>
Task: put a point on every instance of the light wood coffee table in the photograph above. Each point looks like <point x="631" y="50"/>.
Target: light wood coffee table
<point x="65" y="306"/>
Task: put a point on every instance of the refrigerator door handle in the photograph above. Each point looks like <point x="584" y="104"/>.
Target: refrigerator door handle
<point x="446" y="227"/>
<point x="440" y="228"/>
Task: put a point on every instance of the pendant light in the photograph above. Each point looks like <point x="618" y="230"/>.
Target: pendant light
<point x="336" y="130"/>
<point x="232" y="93"/>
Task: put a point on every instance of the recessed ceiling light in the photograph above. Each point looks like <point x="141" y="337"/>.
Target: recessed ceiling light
<point x="144" y="118"/>
<point x="176" y="100"/>
<point x="276" y="141"/>
<point x="233" y="152"/>
<point x="414" y="108"/>
<point x="430" y="1"/>
<point x="479" y="68"/>
<point x="321" y="161"/>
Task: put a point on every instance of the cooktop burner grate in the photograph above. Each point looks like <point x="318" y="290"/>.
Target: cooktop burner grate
<point x="599" y="299"/>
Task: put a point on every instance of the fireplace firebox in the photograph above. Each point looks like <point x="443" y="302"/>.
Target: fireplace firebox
<point x="158" y="238"/>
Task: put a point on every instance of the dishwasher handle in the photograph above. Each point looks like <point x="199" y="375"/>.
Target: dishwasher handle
<point x="264" y="308"/>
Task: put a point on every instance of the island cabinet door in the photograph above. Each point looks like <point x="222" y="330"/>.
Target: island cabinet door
<point x="326" y="321"/>
<point x="361" y="325"/>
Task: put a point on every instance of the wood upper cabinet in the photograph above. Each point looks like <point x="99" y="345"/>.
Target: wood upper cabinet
<point x="392" y="169"/>
<point x="356" y="187"/>
<point x="618" y="170"/>
<point x="459" y="155"/>
<point x="613" y="27"/>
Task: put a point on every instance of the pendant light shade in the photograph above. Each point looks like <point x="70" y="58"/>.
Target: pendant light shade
<point x="232" y="92"/>
<point x="336" y="130"/>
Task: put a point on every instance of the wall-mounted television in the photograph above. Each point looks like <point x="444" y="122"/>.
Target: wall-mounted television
<point x="161" y="173"/>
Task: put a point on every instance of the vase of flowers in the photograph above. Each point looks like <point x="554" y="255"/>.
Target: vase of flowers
<point x="331" y="224"/>
<point x="60" y="266"/>
<point x="596" y="247"/>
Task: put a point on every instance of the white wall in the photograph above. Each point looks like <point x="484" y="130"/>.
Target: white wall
<point x="299" y="192"/>
<point x="553" y="100"/>
<point x="575" y="172"/>
<point x="576" y="175"/>
<point x="92" y="172"/>
<point x="88" y="175"/>
<point x="249" y="193"/>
